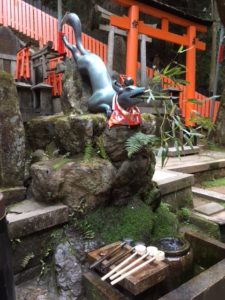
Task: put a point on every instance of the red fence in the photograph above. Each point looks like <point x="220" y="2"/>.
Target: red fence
<point x="41" y="26"/>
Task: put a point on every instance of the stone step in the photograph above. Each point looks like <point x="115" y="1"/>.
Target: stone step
<point x="209" y="209"/>
<point x="175" y="188"/>
<point x="13" y="194"/>
<point x="28" y="217"/>
<point x="209" y="195"/>
<point x="205" y="225"/>
<point x="187" y="150"/>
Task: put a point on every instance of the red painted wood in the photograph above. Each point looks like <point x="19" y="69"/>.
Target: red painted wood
<point x="20" y="23"/>
<point x="31" y="12"/>
<point x="1" y="12"/>
<point x="35" y="11"/>
<point x="16" y="14"/>
<point x="9" y="19"/>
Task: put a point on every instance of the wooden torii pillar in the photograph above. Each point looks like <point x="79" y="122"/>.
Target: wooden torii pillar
<point x="134" y="26"/>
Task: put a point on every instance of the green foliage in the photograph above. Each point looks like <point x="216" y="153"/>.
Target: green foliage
<point x="165" y="223"/>
<point x="214" y="183"/>
<point x="138" y="142"/>
<point x="88" y="152"/>
<point x="27" y="259"/>
<point x="172" y="129"/>
<point x="60" y="163"/>
<point x="183" y="214"/>
<point x="101" y="149"/>
<point x="116" y="223"/>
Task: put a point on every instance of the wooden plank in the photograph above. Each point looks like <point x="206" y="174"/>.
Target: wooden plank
<point x="35" y="11"/>
<point x="47" y="24"/>
<point x="8" y="13"/>
<point x="44" y="27"/>
<point x="28" y="23"/>
<point x="12" y="13"/>
<point x="40" y="32"/>
<point x="143" y="60"/>
<point x="51" y="28"/>
<point x="13" y="68"/>
<point x="16" y="12"/>
<point x="1" y="12"/>
<point x="31" y="13"/>
<point x="1" y="64"/>
<point x="4" y="11"/>
<point x="154" y="12"/>
<point x="123" y="32"/>
<point x="105" y="54"/>
<point x="55" y="37"/>
<point x="23" y="17"/>
<point x="8" y="56"/>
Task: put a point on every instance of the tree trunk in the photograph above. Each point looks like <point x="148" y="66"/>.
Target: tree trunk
<point x="215" y="30"/>
<point x="219" y="134"/>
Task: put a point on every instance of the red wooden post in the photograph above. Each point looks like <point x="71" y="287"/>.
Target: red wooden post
<point x="190" y="74"/>
<point x="132" y="43"/>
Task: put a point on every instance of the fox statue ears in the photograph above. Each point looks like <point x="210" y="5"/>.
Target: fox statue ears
<point x="117" y="87"/>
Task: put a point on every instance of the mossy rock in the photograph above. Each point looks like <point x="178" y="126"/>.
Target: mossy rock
<point x="136" y="221"/>
<point x="70" y="133"/>
<point x="12" y="150"/>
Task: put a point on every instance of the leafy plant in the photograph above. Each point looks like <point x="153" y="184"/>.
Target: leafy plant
<point x="140" y="141"/>
<point x="172" y="129"/>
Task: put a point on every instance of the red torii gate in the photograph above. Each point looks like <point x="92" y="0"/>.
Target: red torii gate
<point x="134" y="26"/>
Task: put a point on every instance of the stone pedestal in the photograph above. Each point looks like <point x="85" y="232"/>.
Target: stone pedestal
<point x="42" y="94"/>
<point x="25" y="100"/>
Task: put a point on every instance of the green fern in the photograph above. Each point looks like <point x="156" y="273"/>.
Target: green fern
<point x="138" y="142"/>
<point x="27" y="259"/>
<point x="88" y="151"/>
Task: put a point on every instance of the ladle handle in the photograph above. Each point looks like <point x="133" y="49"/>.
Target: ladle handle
<point x="133" y="271"/>
<point x="119" y="266"/>
<point x="129" y="266"/>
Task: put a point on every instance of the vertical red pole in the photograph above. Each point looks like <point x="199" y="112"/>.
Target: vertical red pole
<point x="132" y="43"/>
<point x="190" y="74"/>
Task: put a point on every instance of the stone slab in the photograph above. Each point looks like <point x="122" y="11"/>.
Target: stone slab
<point x="206" y="194"/>
<point x="27" y="218"/>
<point x="170" y="181"/>
<point x="13" y="194"/>
<point x="187" y="150"/>
<point x="193" y="167"/>
<point x="209" y="209"/>
<point x="206" y="286"/>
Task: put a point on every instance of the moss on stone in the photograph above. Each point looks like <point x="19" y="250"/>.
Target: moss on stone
<point x="5" y="76"/>
<point x="165" y="223"/>
<point x="214" y="183"/>
<point x="116" y="223"/>
<point x="60" y="163"/>
<point x="135" y="221"/>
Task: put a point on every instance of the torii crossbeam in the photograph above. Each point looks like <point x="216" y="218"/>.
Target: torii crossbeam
<point x="135" y="26"/>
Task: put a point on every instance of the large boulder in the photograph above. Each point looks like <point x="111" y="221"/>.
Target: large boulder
<point x="81" y="185"/>
<point x="68" y="273"/>
<point x="70" y="133"/>
<point x="76" y="91"/>
<point x="12" y="136"/>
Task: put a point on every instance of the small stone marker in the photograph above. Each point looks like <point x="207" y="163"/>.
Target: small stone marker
<point x="209" y="208"/>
